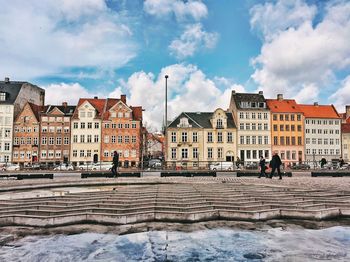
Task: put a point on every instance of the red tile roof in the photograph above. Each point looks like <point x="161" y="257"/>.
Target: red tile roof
<point x="345" y="128"/>
<point x="319" y="111"/>
<point x="137" y="112"/>
<point x="110" y="102"/>
<point x="98" y="104"/>
<point x="37" y="110"/>
<point x="283" y="106"/>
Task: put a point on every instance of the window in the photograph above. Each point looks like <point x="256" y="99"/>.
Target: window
<point x="287" y="127"/>
<point x="286" y="117"/>
<point x="282" y="140"/>
<point x="59" y="130"/>
<point x="281" y="117"/>
<point x="133" y="139"/>
<point x="219" y="123"/>
<point x="247" y="115"/>
<point x="43" y="154"/>
<point x="127" y="139"/>
<point x="331" y="141"/>
<point x="106" y="139"/>
<point x="89" y="138"/>
<point x="75" y="153"/>
<point x="265" y="116"/>
<point x="7" y="146"/>
<point x="241" y="140"/>
<point x="120" y="114"/>
<point x="82" y="153"/>
<point x="266" y="126"/>
<point x="2" y="96"/>
<point x="133" y="125"/>
<point x="274" y="117"/>
<point x="184" y="136"/>
<point x="35" y="141"/>
<point x="58" y="153"/>
<point x="51" y="140"/>
<point x="105" y="153"/>
<point x="266" y="140"/>
<point x="253" y="140"/>
<point x="120" y="139"/>
<point x="259" y="140"/>
<point x="66" y="140"/>
<point x="320" y="151"/>
<point x="220" y="152"/>
<point x="194" y="137"/>
<point x="107" y="125"/>
<point x="88" y="153"/>
<point x="293" y="141"/>
<point x="97" y="125"/>
<point x="247" y="126"/>
<point x="173" y="137"/>
<point x="16" y="141"/>
<point x="220" y="137"/>
<point x="75" y="138"/>
<point x="259" y="115"/>
<point x="287" y="140"/>
<point x="29" y="140"/>
<point x="58" y="140"/>
<point x="298" y="117"/>
<point x="195" y="153"/>
<point x="281" y="127"/>
<point x="319" y="141"/>
<point x="89" y="125"/>
<point x="184" y="153"/>
<point x="254" y="126"/>
<point x="314" y="141"/>
<point x="292" y="128"/>
<point x="51" y="153"/>
<point x="241" y="126"/>
<point x="113" y="140"/>
<point x="241" y="115"/>
<point x="82" y="125"/>
<point x="75" y="125"/>
<point x="325" y="141"/>
<point x="44" y="141"/>
<point x="247" y="140"/>
<point x="210" y="153"/>
<point x="274" y="127"/>
<point x="119" y="125"/>
<point x="127" y="114"/>
<point x="260" y="126"/>
<point x="44" y="129"/>
<point x="210" y="137"/>
<point x="82" y="114"/>
<point x="96" y="138"/>
<point x="229" y="137"/>
<point x="173" y="153"/>
<point x="253" y="115"/>
<point x="82" y="138"/>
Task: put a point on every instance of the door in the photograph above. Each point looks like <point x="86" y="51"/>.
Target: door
<point x="95" y="158"/>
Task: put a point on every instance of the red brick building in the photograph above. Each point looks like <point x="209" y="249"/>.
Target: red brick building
<point x="27" y="134"/>
<point x="121" y="132"/>
<point x="55" y="133"/>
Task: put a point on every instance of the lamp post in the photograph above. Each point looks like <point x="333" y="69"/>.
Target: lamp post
<point x="166" y="118"/>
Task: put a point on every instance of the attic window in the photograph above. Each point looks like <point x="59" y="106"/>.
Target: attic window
<point x="2" y="96"/>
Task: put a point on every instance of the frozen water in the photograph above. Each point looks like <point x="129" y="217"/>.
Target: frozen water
<point x="332" y="244"/>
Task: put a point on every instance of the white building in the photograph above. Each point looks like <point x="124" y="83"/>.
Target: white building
<point x="322" y="132"/>
<point x="252" y="118"/>
<point x="13" y="96"/>
<point x="86" y="126"/>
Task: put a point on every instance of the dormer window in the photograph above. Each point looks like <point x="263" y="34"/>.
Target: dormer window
<point x="2" y="96"/>
<point x="184" y="122"/>
<point x="219" y="123"/>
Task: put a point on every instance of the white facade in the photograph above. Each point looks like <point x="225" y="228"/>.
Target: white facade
<point x="322" y="139"/>
<point x="253" y="134"/>
<point x="86" y="135"/>
<point x="6" y="132"/>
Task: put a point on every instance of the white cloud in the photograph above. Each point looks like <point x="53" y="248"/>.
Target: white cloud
<point x="43" y="38"/>
<point x="192" y="39"/>
<point x="194" y="9"/>
<point x="341" y="97"/>
<point x="189" y="89"/>
<point x="308" y="93"/>
<point x="270" y="18"/>
<point x="63" y="92"/>
<point x="304" y="57"/>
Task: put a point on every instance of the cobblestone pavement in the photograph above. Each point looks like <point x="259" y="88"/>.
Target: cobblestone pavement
<point x="178" y="199"/>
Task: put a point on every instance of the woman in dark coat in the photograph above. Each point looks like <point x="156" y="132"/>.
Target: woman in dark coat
<point x="276" y="163"/>
<point x="262" y="165"/>
<point x="115" y="163"/>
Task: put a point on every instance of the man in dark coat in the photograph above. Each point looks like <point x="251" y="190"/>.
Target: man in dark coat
<point x="115" y="163"/>
<point x="323" y="162"/>
<point x="262" y="166"/>
<point x="276" y="163"/>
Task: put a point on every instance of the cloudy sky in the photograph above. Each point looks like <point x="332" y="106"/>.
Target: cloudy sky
<point x="83" y="48"/>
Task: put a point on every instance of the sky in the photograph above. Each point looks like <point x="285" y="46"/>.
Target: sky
<point x="105" y="48"/>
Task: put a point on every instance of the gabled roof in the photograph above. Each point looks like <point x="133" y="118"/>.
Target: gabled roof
<point x="11" y="89"/>
<point x="283" y="106"/>
<point x="201" y="119"/>
<point x="97" y="103"/>
<point x="66" y="110"/>
<point x="247" y="97"/>
<point x="35" y="109"/>
<point x="137" y="112"/>
<point x="110" y="102"/>
<point x="319" y="111"/>
<point x="345" y="128"/>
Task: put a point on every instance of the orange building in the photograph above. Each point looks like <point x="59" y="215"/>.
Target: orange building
<point x="121" y="132"/>
<point x="287" y="129"/>
<point x="26" y="135"/>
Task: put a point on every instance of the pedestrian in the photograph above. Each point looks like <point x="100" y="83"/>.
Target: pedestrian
<point x="262" y="165"/>
<point x="341" y="162"/>
<point x="115" y="163"/>
<point x="323" y="162"/>
<point x="276" y="163"/>
<point x="238" y="162"/>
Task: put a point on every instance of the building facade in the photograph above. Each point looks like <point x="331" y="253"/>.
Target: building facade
<point x="345" y="128"/>
<point x="121" y="132"/>
<point x="252" y="118"/>
<point x="13" y="97"/>
<point x="322" y="132"/>
<point x="195" y="137"/>
<point x="86" y="131"/>
<point x="55" y="134"/>
<point x="287" y="130"/>
<point x="26" y="135"/>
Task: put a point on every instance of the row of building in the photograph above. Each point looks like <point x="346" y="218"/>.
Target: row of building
<point x="92" y="130"/>
<point x="254" y="126"/>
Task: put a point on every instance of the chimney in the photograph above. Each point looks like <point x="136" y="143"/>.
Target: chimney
<point x="64" y="104"/>
<point x="347" y="111"/>
<point x="123" y="98"/>
<point x="280" y="97"/>
<point x="95" y="97"/>
<point x="233" y="92"/>
<point x="261" y="92"/>
<point x="7" y="80"/>
<point x="315" y="103"/>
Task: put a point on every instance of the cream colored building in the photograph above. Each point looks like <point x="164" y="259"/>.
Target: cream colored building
<point x="197" y="138"/>
<point x="345" y="128"/>
<point x="252" y="118"/>
<point x="86" y="129"/>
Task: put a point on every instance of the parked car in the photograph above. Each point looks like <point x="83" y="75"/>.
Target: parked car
<point x="221" y="166"/>
<point x="102" y="167"/>
<point x="155" y="163"/>
<point x="85" y="167"/>
<point x="252" y="165"/>
<point x="64" y="167"/>
<point x="301" y="167"/>
<point x="12" y="167"/>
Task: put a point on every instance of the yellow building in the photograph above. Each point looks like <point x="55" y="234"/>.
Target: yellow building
<point x="198" y="138"/>
<point x="287" y="129"/>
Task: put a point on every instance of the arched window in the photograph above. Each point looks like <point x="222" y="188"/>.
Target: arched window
<point x="219" y="123"/>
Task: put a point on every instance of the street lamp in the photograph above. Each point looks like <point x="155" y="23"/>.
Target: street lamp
<point x="166" y="117"/>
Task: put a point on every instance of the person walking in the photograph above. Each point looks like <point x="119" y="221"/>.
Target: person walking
<point x="276" y="163"/>
<point x="262" y="165"/>
<point x="323" y="162"/>
<point x="238" y="162"/>
<point x="115" y="163"/>
<point x="341" y="162"/>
